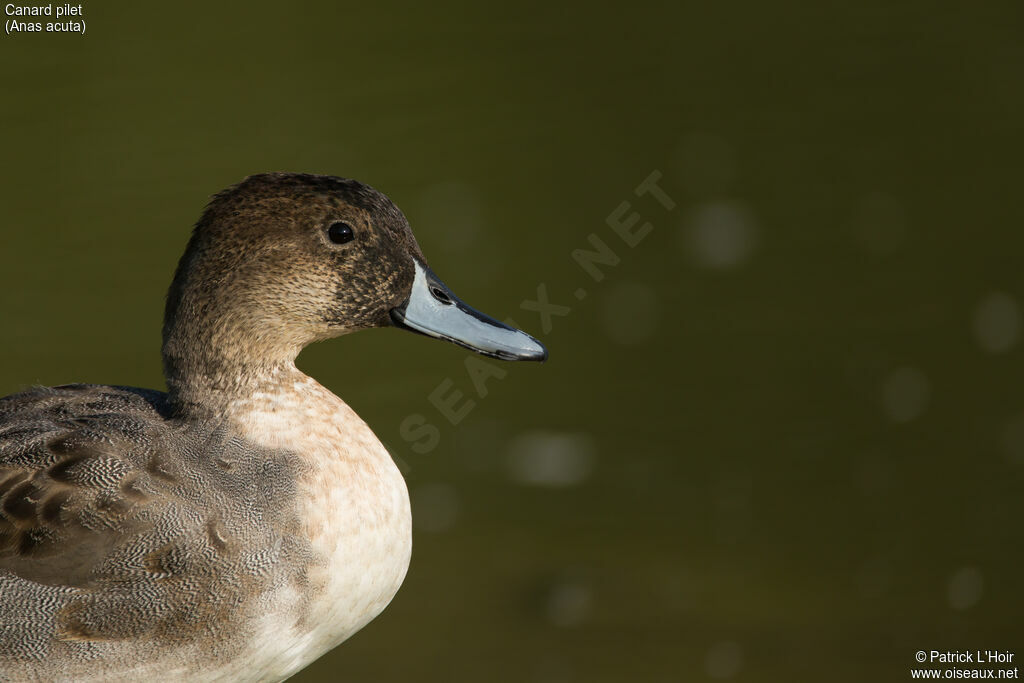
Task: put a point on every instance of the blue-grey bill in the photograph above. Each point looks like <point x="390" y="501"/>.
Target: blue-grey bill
<point x="433" y="310"/>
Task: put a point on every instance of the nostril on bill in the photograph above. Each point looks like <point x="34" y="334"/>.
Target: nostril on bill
<point x="441" y="296"/>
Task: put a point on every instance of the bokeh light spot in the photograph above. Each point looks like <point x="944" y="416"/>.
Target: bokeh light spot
<point x="719" y="235"/>
<point x="965" y="587"/>
<point x="568" y="603"/>
<point x="997" y="323"/>
<point x="905" y="394"/>
<point x="724" y="659"/>
<point x="550" y="458"/>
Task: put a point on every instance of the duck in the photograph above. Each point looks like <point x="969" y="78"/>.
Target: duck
<point x="245" y="521"/>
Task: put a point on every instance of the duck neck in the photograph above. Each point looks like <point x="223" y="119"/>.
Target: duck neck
<point x="209" y="368"/>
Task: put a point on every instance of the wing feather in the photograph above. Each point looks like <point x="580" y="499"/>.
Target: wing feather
<point x="121" y="526"/>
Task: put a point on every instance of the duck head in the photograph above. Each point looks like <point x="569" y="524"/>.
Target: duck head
<point x="285" y="259"/>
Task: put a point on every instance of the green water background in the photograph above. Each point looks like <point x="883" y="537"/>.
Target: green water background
<point x="782" y="439"/>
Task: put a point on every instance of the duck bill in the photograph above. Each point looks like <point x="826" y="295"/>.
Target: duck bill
<point x="433" y="310"/>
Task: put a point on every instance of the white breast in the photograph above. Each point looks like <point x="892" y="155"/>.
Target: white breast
<point x="354" y="510"/>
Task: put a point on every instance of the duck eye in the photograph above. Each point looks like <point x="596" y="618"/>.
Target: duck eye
<point x="340" y="233"/>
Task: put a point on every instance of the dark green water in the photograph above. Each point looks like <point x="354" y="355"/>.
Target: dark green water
<point x="782" y="439"/>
